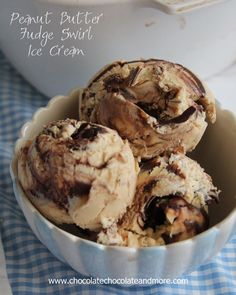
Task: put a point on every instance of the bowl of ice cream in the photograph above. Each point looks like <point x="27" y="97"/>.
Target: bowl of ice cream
<point x="75" y="181"/>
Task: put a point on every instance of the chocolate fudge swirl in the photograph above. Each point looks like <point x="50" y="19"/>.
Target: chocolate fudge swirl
<point x="155" y="104"/>
<point x="78" y="172"/>
<point x="170" y="204"/>
<point x="190" y="219"/>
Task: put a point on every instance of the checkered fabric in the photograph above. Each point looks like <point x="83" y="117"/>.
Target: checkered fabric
<point x="29" y="263"/>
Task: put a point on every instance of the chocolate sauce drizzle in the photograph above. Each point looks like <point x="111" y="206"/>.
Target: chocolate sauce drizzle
<point x="180" y="119"/>
<point x="80" y="189"/>
<point x="116" y="83"/>
<point x="155" y="215"/>
<point x="87" y="131"/>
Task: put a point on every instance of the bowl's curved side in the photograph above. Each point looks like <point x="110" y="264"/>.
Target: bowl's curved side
<point x="92" y="259"/>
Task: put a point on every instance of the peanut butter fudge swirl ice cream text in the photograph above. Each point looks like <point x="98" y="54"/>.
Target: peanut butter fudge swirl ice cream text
<point x="77" y="172"/>
<point x="155" y="104"/>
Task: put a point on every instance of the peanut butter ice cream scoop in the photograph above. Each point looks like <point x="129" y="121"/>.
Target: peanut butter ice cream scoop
<point x="170" y="205"/>
<point x="78" y="172"/>
<point x="157" y="105"/>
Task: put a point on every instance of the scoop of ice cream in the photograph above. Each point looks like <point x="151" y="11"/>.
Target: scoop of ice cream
<point x="77" y="172"/>
<point x="170" y="205"/>
<point x="155" y="104"/>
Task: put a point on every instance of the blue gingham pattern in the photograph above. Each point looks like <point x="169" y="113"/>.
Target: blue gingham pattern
<point x="29" y="263"/>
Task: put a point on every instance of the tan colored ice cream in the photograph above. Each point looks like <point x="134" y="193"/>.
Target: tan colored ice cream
<point x="155" y="104"/>
<point x="77" y="172"/>
<point x="170" y="205"/>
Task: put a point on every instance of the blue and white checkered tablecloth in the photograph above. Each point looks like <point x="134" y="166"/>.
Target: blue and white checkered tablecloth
<point x="29" y="264"/>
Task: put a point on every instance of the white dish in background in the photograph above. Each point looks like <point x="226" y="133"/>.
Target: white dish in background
<point x="202" y="39"/>
<point x="182" y="6"/>
<point x="216" y="153"/>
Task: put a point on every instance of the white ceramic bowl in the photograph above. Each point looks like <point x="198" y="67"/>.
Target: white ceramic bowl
<point x="203" y="39"/>
<point x="216" y="153"/>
